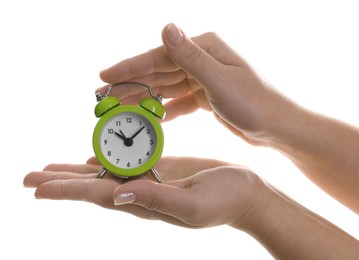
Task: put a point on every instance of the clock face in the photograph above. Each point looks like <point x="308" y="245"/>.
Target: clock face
<point x="128" y="140"/>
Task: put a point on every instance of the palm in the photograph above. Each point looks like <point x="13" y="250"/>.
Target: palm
<point x="191" y="190"/>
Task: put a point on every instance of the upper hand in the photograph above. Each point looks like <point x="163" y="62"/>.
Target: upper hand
<point x="203" y="72"/>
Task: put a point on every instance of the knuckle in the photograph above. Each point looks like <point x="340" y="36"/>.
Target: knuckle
<point x="194" y="53"/>
<point x="152" y="202"/>
<point x="210" y="35"/>
<point x="50" y="167"/>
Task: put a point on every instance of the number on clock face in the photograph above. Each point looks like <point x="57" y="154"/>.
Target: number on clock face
<point x="128" y="140"/>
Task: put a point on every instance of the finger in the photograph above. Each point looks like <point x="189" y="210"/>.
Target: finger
<point x="180" y="106"/>
<point x="167" y="92"/>
<point x="218" y="49"/>
<point x="96" y="191"/>
<point x="161" y="78"/>
<point x="79" y="168"/>
<point x="155" y="60"/>
<point x="199" y="58"/>
<point x="166" y="199"/>
<point x="35" y="179"/>
<point x="177" y="90"/>
<point x="93" y="161"/>
<point x="168" y="89"/>
<point x="60" y="171"/>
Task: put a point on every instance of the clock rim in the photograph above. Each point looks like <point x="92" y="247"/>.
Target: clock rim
<point x="150" y="163"/>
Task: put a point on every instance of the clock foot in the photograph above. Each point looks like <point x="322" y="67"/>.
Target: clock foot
<point x="101" y="173"/>
<point x="155" y="175"/>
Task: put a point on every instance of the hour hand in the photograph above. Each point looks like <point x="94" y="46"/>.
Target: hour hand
<point x="127" y="141"/>
<point x="122" y="136"/>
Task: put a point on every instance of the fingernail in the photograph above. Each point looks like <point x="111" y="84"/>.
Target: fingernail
<point x="124" y="198"/>
<point x="174" y="34"/>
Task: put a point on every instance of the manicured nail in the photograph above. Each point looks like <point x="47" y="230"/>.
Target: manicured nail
<point x="124" y="198"/>
<point x="174" y="34"/>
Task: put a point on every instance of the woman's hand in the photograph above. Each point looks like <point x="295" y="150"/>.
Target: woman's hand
<point x="197" y="192"/>
<point x="204" y="72"/>
<point x="203" y="193"/>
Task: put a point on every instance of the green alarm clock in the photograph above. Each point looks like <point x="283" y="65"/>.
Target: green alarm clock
<point x="128" y="139"/>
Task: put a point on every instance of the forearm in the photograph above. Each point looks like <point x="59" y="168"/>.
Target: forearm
<point x="326" y="151"/>
<point x="289" y="231"/>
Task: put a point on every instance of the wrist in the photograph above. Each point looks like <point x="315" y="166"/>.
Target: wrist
<point x="283" y="123"/>
<point x="259" y="200"/>
<point x="268" y="120"/>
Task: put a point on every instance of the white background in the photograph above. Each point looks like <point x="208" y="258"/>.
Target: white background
<point x="50" y="56"/>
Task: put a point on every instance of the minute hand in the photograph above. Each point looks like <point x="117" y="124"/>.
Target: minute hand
<point x="139" y="131"/>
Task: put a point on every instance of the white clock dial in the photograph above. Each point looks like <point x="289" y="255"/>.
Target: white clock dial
<point x="128" y="140"/>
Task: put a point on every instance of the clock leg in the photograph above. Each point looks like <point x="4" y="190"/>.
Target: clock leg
<point x="101" y="173"/>
<point x="155" y="175"/>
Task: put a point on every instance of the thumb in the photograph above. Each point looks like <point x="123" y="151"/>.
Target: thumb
<point x="191" y="57"/>
<point x="167" y="199"/>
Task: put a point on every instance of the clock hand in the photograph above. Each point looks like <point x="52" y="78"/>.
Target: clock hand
<point x="127" y="141"/>
<point x="139" y="131"/>
<point x="121" y="135"/>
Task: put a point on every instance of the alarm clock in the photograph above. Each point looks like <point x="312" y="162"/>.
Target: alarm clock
<point x="128" y="139"/>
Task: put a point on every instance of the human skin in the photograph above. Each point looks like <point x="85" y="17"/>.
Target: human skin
<point x="204" y="72"/>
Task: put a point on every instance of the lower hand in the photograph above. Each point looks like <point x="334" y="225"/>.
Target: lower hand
<point x="197" y="192"/>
